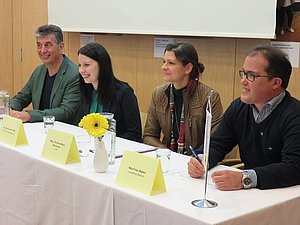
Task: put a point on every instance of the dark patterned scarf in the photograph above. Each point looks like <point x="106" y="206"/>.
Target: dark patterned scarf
<point x="181" y="137"/>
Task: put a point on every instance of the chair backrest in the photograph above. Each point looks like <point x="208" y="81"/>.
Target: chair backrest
<point x="233" y="159"/>
<point x="143" y="120"/>
<point x="234" y="154"/>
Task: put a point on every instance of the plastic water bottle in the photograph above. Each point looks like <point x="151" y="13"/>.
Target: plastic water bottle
<point x="113" y="130"/>
<point x="110" y="137"/>
<point x="4" y="103"/>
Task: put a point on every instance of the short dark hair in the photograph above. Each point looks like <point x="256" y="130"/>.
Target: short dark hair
<point x="278" y="62"/>
<point x="49" y="29"/>
<point x="186" y="53"/>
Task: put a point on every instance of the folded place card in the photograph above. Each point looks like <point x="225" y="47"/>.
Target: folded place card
<point x="141" y="173"/>
<point x="60" y="147"/>
<point x="12" y="131"/>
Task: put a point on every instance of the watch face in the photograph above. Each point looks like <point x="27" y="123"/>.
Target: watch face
<point x="247" y="181"/>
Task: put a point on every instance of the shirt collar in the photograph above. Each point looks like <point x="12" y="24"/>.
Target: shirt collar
<point x="268" y="108"/>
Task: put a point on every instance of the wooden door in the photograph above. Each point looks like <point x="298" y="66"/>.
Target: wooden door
<point x="6" y="43"/>
<point x="28" y="16"/>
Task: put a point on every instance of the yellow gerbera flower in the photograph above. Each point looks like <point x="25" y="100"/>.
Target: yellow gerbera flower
<point x="95" y="124"/>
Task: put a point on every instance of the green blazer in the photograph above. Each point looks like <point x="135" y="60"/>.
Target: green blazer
<point x="64" y="99"/>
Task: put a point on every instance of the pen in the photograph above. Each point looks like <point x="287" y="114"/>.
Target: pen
<point x="144" y="151"/>
<point x="195" y="154"/>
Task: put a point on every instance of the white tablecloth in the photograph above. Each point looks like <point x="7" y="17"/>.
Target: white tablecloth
<point x="37" y="191"/>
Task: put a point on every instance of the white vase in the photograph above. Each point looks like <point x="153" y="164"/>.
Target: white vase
<point x="100" y="161"/>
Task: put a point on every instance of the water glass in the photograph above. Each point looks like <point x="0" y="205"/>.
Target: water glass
<point x="4" y="103"/>
<point x="164" y="155"/>
<point x="48" y="122"/>
<point x="83" y="144"/>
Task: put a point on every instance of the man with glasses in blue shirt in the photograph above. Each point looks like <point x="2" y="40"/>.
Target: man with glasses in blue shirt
<point x="264" y="122"/>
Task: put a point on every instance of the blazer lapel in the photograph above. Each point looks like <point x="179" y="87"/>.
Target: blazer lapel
<point x="59" y="78"/>
<point x="36" y="98"/>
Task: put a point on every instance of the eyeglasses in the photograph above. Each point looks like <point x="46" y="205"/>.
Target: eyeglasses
<point x="250" y="75"/>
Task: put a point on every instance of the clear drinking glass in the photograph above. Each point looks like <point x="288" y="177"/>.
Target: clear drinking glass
<point x="83" y="144"/>
<point x="4" y="103"/>
<point x="164" y="155"/>
<point x="48" y="122"/>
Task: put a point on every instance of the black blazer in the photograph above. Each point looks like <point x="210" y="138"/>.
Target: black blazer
<point x="126" y="112"/>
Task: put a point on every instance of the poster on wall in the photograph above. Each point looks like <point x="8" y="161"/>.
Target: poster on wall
<point x="160" y="45"/>
<point x="291" y="49"/>
<point x="86" y="38"/>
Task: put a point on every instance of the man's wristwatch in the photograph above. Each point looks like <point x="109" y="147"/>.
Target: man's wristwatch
<point x="246" y="180"/>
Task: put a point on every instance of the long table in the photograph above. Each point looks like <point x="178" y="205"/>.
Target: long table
<point x="36" y="191"/>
